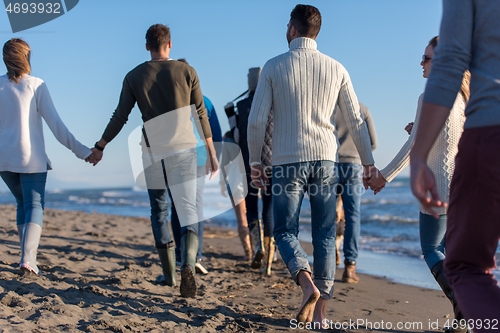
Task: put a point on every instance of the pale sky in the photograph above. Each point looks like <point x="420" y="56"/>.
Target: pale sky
<point x="84" y="55"/>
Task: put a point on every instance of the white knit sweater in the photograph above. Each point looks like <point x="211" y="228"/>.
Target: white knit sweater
<point x="441" y="158"/>
<point x="302" y="87"/>
<point x="22" y="107"/>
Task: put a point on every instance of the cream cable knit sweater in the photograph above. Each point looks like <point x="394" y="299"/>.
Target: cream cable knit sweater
<point x="22" y="107"/>
<point x="302" y="87"/>
<point x="441" y="158"/>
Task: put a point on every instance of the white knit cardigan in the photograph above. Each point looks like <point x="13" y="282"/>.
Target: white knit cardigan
<point x="441" y="158"/>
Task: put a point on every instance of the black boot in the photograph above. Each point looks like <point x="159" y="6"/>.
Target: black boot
<point x="189" y="249"/>
<point x="460" y="321"/>
<point x="167" y="260"/>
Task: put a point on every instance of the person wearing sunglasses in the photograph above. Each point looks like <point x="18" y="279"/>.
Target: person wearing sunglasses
<point x="442" y="162"/>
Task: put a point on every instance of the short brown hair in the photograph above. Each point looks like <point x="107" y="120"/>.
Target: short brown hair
<point x="16" y="56"/>
<point x="157" y="36"/>
<point x="307" y="20"/>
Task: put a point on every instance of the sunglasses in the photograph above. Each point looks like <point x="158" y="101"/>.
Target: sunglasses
<point x="425" y="59"/>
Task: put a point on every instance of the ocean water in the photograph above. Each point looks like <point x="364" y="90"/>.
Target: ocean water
<point x="389" y="244"/>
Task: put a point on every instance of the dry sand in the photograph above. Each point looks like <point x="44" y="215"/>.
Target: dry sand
<point x="100" y="276"/>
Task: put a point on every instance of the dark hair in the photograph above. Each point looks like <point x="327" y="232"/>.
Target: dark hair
<point x="16" y="56"/>
<point x="434" y="42"/>
<point x="307" y="20"/>
<point x="157" y="36"/>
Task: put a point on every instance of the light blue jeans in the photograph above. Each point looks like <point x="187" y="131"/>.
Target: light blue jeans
<point x="179" y="172"/>
<point x="290" y="182"/>
<point x="432" y="238"/>
<point x="350" y="188"/>
<point x="29" y="191"/>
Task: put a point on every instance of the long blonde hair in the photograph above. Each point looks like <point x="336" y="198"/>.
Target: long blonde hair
<point x="16" y="56"/>
<point x="465" y="89"/>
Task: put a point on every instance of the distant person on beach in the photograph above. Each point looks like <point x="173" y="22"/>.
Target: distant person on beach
<point x="167" y="93"/>
<point x="24" y="101"/>
<point x="200" y="187"/>
<point x="350" y="188"/>
<point x="469" y="40"/>
<point x="261" y="230"/>
<point x="232" y="182"/>
<point x="442" y="163"/>
<point x="303" y="86"/>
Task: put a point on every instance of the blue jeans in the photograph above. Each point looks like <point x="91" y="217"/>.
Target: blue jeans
<point x="432" y="235"/>
<point x="350" y="188"/>
<point x="290" y="182"/>
<point x="175" y="223"/>
<point x="29" y="191"/>
<point x="179" y="172"/>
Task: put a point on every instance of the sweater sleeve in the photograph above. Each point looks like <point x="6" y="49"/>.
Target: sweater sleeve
<point x="349" y="106"/>
<point x="197" y="100"/>
<point x="47" y="110"/>
<point x="259" y="114"/>
<point x="369" y="124"/>
<point x="120" y="116"/>
<point x="453" y="54"/>
<point x="402" y="159"/>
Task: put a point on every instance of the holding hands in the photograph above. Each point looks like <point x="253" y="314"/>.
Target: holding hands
<point x="373" y="178"/>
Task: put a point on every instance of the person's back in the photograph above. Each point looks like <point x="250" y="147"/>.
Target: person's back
<point x="304" y="100"/>
<point x="160" y="87"/>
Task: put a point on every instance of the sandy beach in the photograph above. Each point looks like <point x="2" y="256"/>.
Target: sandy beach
<point x="100" y="276"/>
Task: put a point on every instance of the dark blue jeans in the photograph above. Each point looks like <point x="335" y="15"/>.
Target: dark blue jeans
<point x="252" y="203"/>
<point x="291" y="181"/>
<point x="350" y="188"/>
<point x="29" y="191"/>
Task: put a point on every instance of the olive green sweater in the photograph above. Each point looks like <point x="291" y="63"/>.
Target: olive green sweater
<point x="160" y="87"/>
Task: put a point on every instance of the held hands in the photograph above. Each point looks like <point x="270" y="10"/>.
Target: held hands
<point x="211" y="166"/>
<point x="95" y="157"/>
<point x="423" y="181"/>
<point x="373" y="178"/>
<point x="409" y="127"/>
<point x="259" y="177"/>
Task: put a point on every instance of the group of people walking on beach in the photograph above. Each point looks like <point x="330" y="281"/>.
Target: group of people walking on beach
<point x="300" y="130"/>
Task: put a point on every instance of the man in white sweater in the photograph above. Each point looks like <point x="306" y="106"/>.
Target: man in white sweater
<point x="303" y="86"/>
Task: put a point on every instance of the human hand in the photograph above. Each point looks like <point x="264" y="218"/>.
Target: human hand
<point x="422" y="181"/>
<point x="91" y="159"/>
<point x="211" y="166"/>
<point x="96" y="157"/>
<point x="373" y="178"/>
<point x="223" y="191"/>
<point x="258" y="175"/>
<point x="409" y="127"/>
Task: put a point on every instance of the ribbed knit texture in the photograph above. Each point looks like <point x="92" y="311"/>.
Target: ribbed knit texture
<point x="441" y="158"/>
<point x="22" y="145"/>
<point x="303" y="86"/>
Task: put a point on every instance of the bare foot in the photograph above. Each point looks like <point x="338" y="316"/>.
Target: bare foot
<point x="310" y="297"/>
<point x="320" y="312"/>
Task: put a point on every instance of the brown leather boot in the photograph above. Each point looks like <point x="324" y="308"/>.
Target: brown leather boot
<point x="349" y="275"/>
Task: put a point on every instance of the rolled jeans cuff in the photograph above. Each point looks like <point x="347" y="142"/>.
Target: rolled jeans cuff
<point x="297" y="264"/>
<point x="325" y="287"/>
